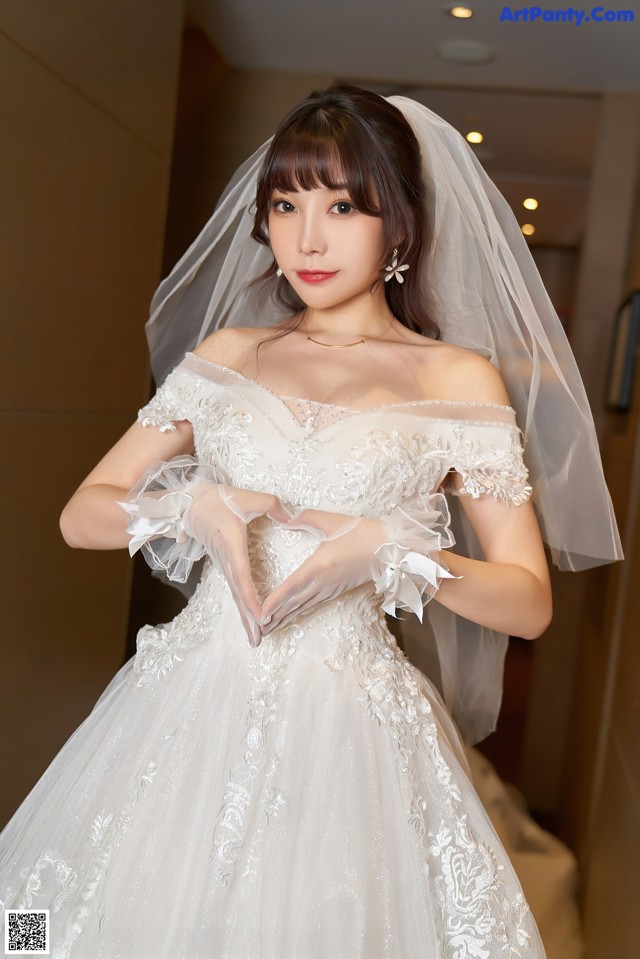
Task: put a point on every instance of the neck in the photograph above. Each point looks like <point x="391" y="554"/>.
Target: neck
<point x="344" y="323"/>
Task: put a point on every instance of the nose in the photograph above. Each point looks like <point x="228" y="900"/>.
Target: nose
<point x="311" y="237"/>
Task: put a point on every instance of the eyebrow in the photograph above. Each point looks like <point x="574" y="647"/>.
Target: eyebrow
<point x="339" y="188"/>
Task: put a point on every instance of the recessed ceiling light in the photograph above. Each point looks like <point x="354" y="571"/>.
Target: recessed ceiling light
<point x="530" y="203"/>
<point x="460" y="12"/>
<point x="465" y="51"/>
<point x="528" y="229"/>
<point x="474" y="136"/>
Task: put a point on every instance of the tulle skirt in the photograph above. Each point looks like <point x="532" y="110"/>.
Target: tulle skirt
<point x="306" y="799"/>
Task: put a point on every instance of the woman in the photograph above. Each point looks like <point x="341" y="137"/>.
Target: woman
<point x="270" y="776"/>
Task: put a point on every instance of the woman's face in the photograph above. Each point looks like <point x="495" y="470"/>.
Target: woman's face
<point x="328" y="251"/>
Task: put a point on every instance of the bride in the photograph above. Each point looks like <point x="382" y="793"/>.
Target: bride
<point x="269" y="775"/>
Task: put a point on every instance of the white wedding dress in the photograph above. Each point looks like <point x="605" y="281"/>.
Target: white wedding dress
<point x="306" y="799"/>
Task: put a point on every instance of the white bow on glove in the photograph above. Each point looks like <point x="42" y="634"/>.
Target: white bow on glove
<point x="157" y="517"/>
<point x="395" y="584"/>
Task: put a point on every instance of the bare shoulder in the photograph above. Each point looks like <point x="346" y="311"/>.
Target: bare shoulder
<point x="230" y="345"/>
<point x="465" y="375"/>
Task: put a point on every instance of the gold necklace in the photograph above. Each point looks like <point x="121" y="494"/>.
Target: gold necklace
<point x="342" y="346"/>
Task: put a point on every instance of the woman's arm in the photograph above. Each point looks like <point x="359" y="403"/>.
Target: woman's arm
<point x="510" y="589"/>
<point x="92" y="519"/>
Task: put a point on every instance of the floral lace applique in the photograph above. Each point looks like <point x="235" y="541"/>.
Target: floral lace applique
<point x="271" y="802"/>
<point x="475" y="911"/>
<point x="390" y="467"/>
<point x="487" y="468"/>
<point x="514" y="916"/>
<point x="222" y="433"/>
<point x="393" y="698"/>
<point x="106" y="832"/>
<point x="159" y="648"/>
<point x="226" y="440"/>
<point x="63" y="874"/>
<point x="267" y="667"/>
<point x="173" y="401"/>
<point x="298" y="485"/>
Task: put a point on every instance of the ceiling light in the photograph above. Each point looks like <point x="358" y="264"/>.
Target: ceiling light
<point x="465" y="51"/>
<point x="528" y="229"/>
<point x="530" y="203"/>
<point x="461" y="13"/>
<point x="474" y="137"/>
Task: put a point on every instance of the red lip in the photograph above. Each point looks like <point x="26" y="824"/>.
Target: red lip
<point x="315" y="276"/>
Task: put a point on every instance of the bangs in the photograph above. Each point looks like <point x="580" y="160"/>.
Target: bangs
<point x="306" y="159"/>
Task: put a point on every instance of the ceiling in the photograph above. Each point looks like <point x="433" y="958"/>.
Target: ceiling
<point x="536" y="100"/>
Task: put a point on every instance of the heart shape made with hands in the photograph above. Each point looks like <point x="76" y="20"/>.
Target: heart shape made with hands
<point x="329" y="570"/>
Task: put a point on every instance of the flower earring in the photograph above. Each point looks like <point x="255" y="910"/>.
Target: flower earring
<point x="394" y="269"/>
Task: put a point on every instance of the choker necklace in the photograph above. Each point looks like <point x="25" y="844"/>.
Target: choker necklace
<point x="342" y="346"/>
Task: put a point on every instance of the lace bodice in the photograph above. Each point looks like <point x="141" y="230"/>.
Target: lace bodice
<point x="323" y="456"/>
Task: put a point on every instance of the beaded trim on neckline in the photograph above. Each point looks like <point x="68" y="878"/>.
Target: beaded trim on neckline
<point x="351" y="409"/>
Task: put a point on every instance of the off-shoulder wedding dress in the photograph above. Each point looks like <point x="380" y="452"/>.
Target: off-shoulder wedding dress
<point x="306" y="799"/>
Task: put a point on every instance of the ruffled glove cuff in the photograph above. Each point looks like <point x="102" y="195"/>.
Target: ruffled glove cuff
<point x="409" y="575"/>
<point x="157" y="504"/>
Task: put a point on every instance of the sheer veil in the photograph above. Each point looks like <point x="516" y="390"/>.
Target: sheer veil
<point x="486" y="294"/>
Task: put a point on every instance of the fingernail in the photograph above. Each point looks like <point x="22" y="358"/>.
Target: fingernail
<point x="264" y="620"/>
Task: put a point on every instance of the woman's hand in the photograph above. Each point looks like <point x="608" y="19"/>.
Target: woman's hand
<point x="217" y="517"/>
<point x="343" y="560"/>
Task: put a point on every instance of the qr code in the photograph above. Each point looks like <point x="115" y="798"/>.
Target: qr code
<point x="26" y="932"/>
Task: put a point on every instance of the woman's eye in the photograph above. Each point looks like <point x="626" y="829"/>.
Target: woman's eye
<point x="344" y="206"/>
<point x="283" y="206"/>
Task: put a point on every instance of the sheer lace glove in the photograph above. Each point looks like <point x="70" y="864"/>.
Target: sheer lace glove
<point x="179" y="514"/>
<point x="399" y="553"/>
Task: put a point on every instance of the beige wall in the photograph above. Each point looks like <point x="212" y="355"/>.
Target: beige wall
<point x="609" y="229"/>
<point x="559" y="268"/>
<point x="605" y="800"/>
<point x="87" y="135"/>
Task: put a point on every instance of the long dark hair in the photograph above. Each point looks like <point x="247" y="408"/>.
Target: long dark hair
<point x="370" y="144"/>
